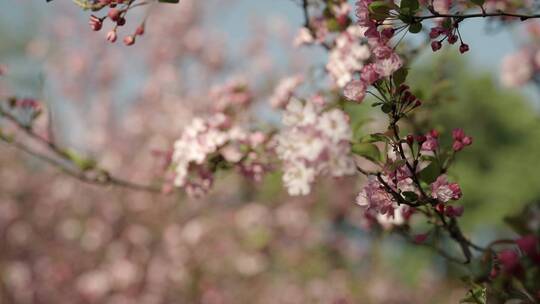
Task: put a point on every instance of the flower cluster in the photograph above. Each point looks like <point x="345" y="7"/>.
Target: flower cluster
<point x="443" y="191"/>
<point x="451" y="34"/>
<point x="207" y="145"/>
<point x="117" y="12"/>
<point x="313" y="142"/>
<point x="232" y="95"/>
<point x="284" y="91"/>
<point x="460" y="140"/>
<point x="356" y="54"/>
<point x="523" y="66"/>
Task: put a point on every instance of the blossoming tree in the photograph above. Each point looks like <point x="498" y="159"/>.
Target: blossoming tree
<point x="404" y="166"/>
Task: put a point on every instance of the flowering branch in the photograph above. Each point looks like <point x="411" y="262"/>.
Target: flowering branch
<point x="68" y="162"/>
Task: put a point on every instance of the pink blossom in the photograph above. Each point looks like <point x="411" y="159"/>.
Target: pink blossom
<point x="431" y="143"/>
<point x="374" y="197"/>
<point x="517" y="69"/>
<point x="444" y="191"/>
<point x="369" y="74"/>
<point x="355" y="90"/>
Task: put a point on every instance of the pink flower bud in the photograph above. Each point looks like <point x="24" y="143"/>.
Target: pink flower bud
<point x="111" y="36"/>
<point x="129" y="40"/>
<point x="509" y="261"/>
<point x="458" y="134"/>
<point x="436" y="45"/>
<point x="467" y="140"/>
<point x="457" y="146"/>
<point x="452" y="39"/>
<point x="529" y="245"/>
<point x="114" y="14"/>
<point x="463" y="48"/>
<point x="435" y="32"/>
<point x="140" y="30"/>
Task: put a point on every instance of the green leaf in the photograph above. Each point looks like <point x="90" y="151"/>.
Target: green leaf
<point x="415" y="27"/>
<point x="410" y="196"/>
<point x="400" y="76"/>
<point x="386" y="108"/>
<point x="478" y="2"/>
<point x="430" y="173"/>
<point x="518" y="223"/>
<point x="84" y="164"/>
<point x="375" y="137"/>
<point x="477" y="295"/>
<point x="333" y="25"/>
<point x="379" y="10"/>
<point x="398" y="163"/>
<point x="409" y="7"/>
<point x="367" y="150"/>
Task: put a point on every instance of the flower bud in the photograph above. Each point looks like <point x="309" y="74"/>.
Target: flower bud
<point x="457" y="146"/>
<point x="129" y="40"/>
<point x="467" y="140"/>
<point x="463" y="48"/>
<point x="121" y="21"/>
<point x="436" y="45"/>
<point x="111" y="36"/>
<point x="410" y="140"/>
<point x="140" y="30"/>
<point x="421" y="139"/>
<point x="114" y="14"/>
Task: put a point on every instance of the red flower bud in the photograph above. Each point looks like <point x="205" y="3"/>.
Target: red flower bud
<point x="457" y="146"/>
<point x="452" y="39"/>
<point x="436" y="45"/>
<point x="454" y="211"/>
<point x="121" y="21"/>
<point x="421" y="139"/>
<point x="463" y="48"/>
<point x="410" y="139"/>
